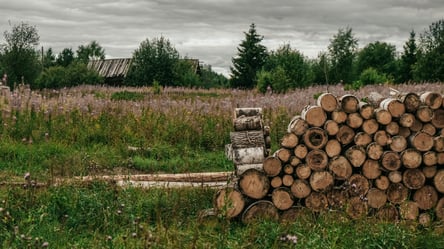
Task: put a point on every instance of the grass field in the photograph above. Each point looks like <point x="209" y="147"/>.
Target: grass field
<point x="100" y="130"/>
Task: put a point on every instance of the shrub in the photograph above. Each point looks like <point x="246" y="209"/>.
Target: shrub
<point x="372" y="76"/>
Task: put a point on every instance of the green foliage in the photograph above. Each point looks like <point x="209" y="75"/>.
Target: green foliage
<point x="91" y="51"/>
<point x="185" y="74"/>
<point x="408" y="60"/>
<point x="250" y="58"/>
<point x="342" y="51"/>
<point x="320" y="68"/>
<point x="157" y="88"/>
<point x="372" y="76"/>
<point x="65" y="57"/>
<point x="128" y="96"/>
<point x="49" y="59"/>
<point x="377" y="55"/>
<point x="210" y="79"/>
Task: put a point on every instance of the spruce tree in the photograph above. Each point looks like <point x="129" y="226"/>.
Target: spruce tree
<point x="408" y="59"/>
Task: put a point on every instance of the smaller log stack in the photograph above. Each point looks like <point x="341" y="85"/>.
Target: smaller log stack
<point x="383" y="157"/>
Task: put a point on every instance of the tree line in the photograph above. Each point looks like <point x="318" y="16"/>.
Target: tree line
<point x="157" y="62"/>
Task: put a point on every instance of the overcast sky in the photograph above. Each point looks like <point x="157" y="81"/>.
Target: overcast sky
<point x="211" y="30"/>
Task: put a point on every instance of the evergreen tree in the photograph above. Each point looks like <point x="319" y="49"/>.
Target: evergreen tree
<point x="65" y="58"/>
<point x="408" y="59"/>
<point x="377" y="55"/>
<point x="249" y="61"/>
<point x="342" y="51"/>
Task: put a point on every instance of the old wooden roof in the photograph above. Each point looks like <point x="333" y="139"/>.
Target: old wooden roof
<point x="111" y="68"/>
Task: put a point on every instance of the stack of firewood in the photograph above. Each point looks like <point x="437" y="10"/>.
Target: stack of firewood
<point x="382" y="157"/>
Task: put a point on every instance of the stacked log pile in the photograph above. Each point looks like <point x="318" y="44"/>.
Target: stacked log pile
<point x="383" y="157"/>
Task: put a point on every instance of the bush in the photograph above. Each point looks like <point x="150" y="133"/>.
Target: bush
<point x="372" y="76"/>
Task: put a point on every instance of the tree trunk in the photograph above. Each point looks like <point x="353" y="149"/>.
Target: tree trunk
<point x="370" y="126"/>
<point x="317" y="160"/>
<point x="229" y="201"/>
<point x="366" y="110"/>
<point x="333" y="148"/>
<point x="259" y="211"/>
<point x="374" y="151"/>
<point x="398" y="144"/>
<point x="432" y="99"/>
<point x="339" y="116"/>
<point x="383" y="116"/>
<point x="382" y="182"/>
<point x="411" y="101"/>
<point x="376" y="198"/>
<point x="413" y="178"/>
<point x="314" y="116"/>
<point x="301" y="151"/>
<point x="272" y="166"/>
<point x="321" y="181"/>
<point x="356" y="155"/>
<point x="358" y="185"/>
<point x="328" y="102"/>
<point x="317" y="202"/>
<point x="243" y="123"/>
<point x="349" y="103"/>
<point x="391" y="160"/>
<point x="426" y="197"/>
<point x="289" y="141"/>
<point x="411" y="158"/>
<point x="409" y="210"/>
<point x="252" y="155"/>
<point x="303" y="171"/>
<point x="282" y="198"/>
<point x="340" y="167"/>
<point x="421" y="141"/>
<point x="370" y="169"/>
<point x="357" y="208"/>
<point x="354" y="120"/>
<point x="254" y="184"/>
<point x="345" y="134"/>
<point x="298" y="126"/>
<point x="247" y="139"/>
<point x="315" y="138"/>
<point x="300" y="189"/>
<point x="331" y="127"/>
<point x="397" y="193"/>
<point x="395" y="107"/>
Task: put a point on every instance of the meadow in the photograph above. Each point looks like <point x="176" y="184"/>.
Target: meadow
<point x="90" y="130"/>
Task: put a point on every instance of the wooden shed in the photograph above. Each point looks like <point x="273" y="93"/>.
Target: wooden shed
<point x="113" y="70"/>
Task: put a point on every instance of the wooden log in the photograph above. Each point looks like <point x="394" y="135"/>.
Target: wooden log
<point x="349" y="103"/>
<point x="376" y="198"/>
<point x="406" y="120"/>
<point x="413" y="178"/>
<point x="426" y="197"/>
<point x="356" y="155"/>
<point x="397" y="193"/>
<point x="244" y="123"/>
<point x="259" y="211"/>
<point x="294" y="161"/>
<point x="431" y="99"/>
<point x="358" y="185"/>
<point x="297" y="125"/>
<point x="388" y="213"/>
<point x="404" y="131"/>
<point x="438" y="181"/>
<point x="411" y="101"/>
<point x="247" y="139"/>
<point x="251" y="155"/>
<point x="328" y="102"/>
<point x="430" y="158"/>
<point x="383" y="116"/>
<point x="272" y="166"/>
<point x="283" y="154"/>
<point x="424" y="114"/>
<point x="314" y="115"/>
<point x="289" y="141"/>
<point x="247" y="112"/>
<point x="362" y="139"/>
<point x="354" y="120"/>
<point x="382" y="182"/>
<point x="315" y="138"/>
<point x="438" y="118"/>
<point x="276" y="182"/>
<point x="254" y="184"/>
<point x="395" y="176"/>
<point x="300" y="189"/>
<point x="339" y="116"/>
<point x="266" y="130"/>
<point x="370" y="169"/>
<point x="321" y="181"/>
<point x="394" y="106"/>
<point x="288" y="169"/>
<point x="374" y="151"/>
<point x="282" y="198"/>
<point x="230" y="201"/>
<point x="241" y="168"/>
<point x="287" y="180"/>
<point x="375" y="98"/>
<point x="295" y="213"/>
<point x="439" y="209"/>
<point x="303" y="171"/>
<point x="411" y="158"/>
<point x="429" y="128"/>
<point x="382" y="138"/>
<point x="317" y="202"/>
<point x="317" y="160"/>
<point x="366" y="110"/>
<point x="409" y="210"/>
<point x="421" y="141"/>
<point x="416" y="126"/>
<point x="440" y="158"/>
<point x="331" y="127"/>
<point x="392" y="128"/>
<point x="370" y="126"/>
<point x="333" y="148"/>
<point x="345" y="134"/>
<point x="425" y="219"/>
<point x="340" y="167"/>
<point x="300" y="151"/>
<point x="430" y="171"/>
<point x="337" y="198"/>
<point x="398" y="144"/>
<point x="357" y="208"/>
<point x="390" y="160"/>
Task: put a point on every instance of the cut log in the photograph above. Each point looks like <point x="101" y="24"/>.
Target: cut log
<point x="438" y="181"/>
<point x="345" y="134"/>
<point x="416" y="126"/>
<point x="272" y="166"/>
<point x="339" y="116"/>
<point x="230" y="201"/>
<point x="349" y="103"/>
<point x="397" y="193"/>
<point x="287" y="180"/>
<point x="321" y="181"/>
<point x="283" y="154"/>
<point x="395" y="107"/>
<point x="406" y="120"/>
<point x="301" y="151"/>
<point x="357" y="208"/>
<point x="411" y="101"/>
<point x="333" y="148"/>
<point x="398" y="144"/>
<point x="314" y="115"/>
<point x="421" y="141"/>
<point x="300" y="189"/>
<point x="395" y="176"/>
<point x="247" y="139"/>
<point x="382" y="138"/>
<point x="247" y="112"/>
<point x="441" y="158"/>
<point x="438" y="118"/>
<point x="241" y="168"/>
<point x="392" y="128"/>
<point x="317" y="160"/>
<point x="276" y="182"/>
<point x="289" y="141"/>
<point x="382" y="182"/>
<point x="328" y="102"/>
<point x="340" y="167"/>
<point x="366" y="110"/>
<point x="315" y="138"/>
<point x="358" y="185"/>
<point x="424" y="114"/>
<point x="288" y="169"/>
<point x="430" y="158"/>
<point x="413" y="178"/>
<point x="251" y="155"/>
<point x="409" y="210"/>
<point x="282" y="198"/>
<point x="370" y="169"/>
<point x="337" y="198"/>
<point x="411" y="158"/>
<point x="303" y="171"/>
<point x="370" y="126"/>
<point x="425" y="219"/>
<point x="426" y="197"/>
<point x="383" y="116"/>
<point x="374" y="151"/>
<point x="259" y="211"/>
<point x="429" y="128"/>
<point x="430" y="171"/>
<point x="316" y="202"/>
<point x="294" y="161"/>
<point x="297" y="125"/>
<point x="376" y="198"/>
<point x="439" y="209"/>
<point x="432" y="99"/>
<point x="331" y="127"/>
<point x="375" y="98"/>
<point x="391" y="160"/>
<point x="404" y="131"/>
<point x="254" y="184"/>
<point x="356" y="155"/>
<point x="388" y="213"/>
<point x="362" y="139"/>
<point x="244" y="123"/>
<point x="354" y="120"/>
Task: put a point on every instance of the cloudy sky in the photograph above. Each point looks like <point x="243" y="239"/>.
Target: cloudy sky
<point x="211" y="30"/>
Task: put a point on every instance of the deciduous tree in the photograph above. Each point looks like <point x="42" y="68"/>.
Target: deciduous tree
<point x="408" y="59"/>
<point x="342" y="51"/>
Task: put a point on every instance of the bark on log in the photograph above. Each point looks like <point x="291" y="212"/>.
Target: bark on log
<point x="432" y="99"/>
<point x="246" y="139"/>
<point x="317" y="160"/>
<point x="395" y="176"/>
<point x="424" y="114"/>
<point x="426" y="197"/>
<point x="333" y="148"/>
<point x="321" y="181"/>
<point x="250" y="155"/>
<point x="376" y="198"/>
<point x="362" y="139"/>
<point x="315" y="138"/>
<point x="370" y="169"/>
<point x="349" y="103"/>
<point x="254" y="184"/>
<point x="314" y="116"/>
<point x="244" y="123"/>
<point x="409" y="210"/>
<point x="358" y="185"/>
<point x="345" y="134"/>
<point x="411" y="101"/>
<point x="397" y="193"/>
<point x="366" y="110"/>
<point x="357" y="208"/>
<point x="392" y="128"/>
<point x="331" y="127"/>
<point x="298" y="126"/>
<point x="340" y="167"/>
<point x="283" y="154"/>
<point x="438" y="181"/>
<point x="382" y="182"/>
<point x="303" y="171"/>
<point x="282" y="198"/>
<point x="339" y="116"/>
<point x="230" y="201"/>
<point x="272" y="166"/>
<point x="301" y="151"/>
<point x="259" y="211"/>
<point x="356" y="155"/>
<point x="391" y="160"/>
<point x="370" y="126"/>
<point x="398" y="144"/>
<point x="374" y="151"/>
<point x="421" y="141"/>
<point x="317" y="202"/>
<point x="354" y="120"/>
<point x="375" y="98"/>
<point x="438" y="118"/>
<point x="383" y="116"/>
<point x="395" y="107"/>
<point x="411" y="158"/>
<point x="247" y="112"/>
<point x="328" y="102"/>
<point x="300" y="189"/>
<point x="241" y="168"/>
<point x="413" y="178"/>
<point x="289" y="141"/>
